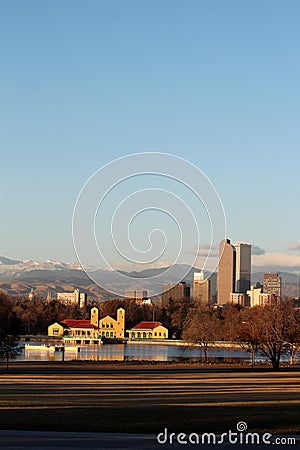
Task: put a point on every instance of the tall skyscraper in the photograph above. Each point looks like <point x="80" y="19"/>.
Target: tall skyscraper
<point x="226" y="271"/>
<point x="272" y="284"/>
<point x="243" y="267"/>
<point x="201" y="288"/>
<point x="175" y="292"/>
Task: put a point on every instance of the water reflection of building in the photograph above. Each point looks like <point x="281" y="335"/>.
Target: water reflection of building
<point x="96" y="356"/>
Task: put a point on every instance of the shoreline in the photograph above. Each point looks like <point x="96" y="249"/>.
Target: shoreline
<point x="172" y="342"/>
<point x="137" y="365"/>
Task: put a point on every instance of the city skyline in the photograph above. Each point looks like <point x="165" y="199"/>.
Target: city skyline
<point x="29" y="264"/>
<point x="216" y="86"/>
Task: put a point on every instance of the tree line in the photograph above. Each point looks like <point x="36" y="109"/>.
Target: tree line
<point x="272" y="330"/>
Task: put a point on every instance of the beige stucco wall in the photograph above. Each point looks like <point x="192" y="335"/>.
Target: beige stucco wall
<point x="110" y="327"/>
<point x="159" y="332"/>
<point x="55" y="330"/>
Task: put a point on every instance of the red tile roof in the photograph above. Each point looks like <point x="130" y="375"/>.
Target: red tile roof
<point x="71" y="323"/>
<point x="146" y="325"/>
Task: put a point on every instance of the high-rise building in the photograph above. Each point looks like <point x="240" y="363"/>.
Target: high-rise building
<point x="137" y="295"/>
<point x="213" y="287"/>
<point x="174" y="292"/>
<point x="201" y="288"/>
<point x="226" y="271"/>
<point x="272" y="284"/>
<point x="243" y="267"/>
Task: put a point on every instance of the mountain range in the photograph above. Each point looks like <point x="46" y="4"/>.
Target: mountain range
<point x="19" y="277"/>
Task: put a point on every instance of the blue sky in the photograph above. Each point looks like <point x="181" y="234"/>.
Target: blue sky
<point x="83" y="83"/>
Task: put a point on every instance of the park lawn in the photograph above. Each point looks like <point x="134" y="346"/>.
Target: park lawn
<point x="143" y="400"/>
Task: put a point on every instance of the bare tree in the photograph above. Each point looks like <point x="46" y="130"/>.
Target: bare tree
<point x="230" y="321"/>
<point x="9" y="327"/>
<point x="201" y="327"/>
<point x="273" y="329"/>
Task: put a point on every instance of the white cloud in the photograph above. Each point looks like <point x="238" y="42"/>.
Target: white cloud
<point x="206" y="250"/>
<point x="202" y="262"/>
<point x="279" y="260"/>
<point x="128" y="267"/>
<point x="294" y="246"/>
<point x="208" y="253"/>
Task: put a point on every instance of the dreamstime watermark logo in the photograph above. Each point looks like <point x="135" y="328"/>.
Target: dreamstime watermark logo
<point x="240" y="437"/>
<point x="147" y="211"/>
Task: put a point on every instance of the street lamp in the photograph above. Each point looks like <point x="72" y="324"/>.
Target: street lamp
<point x="253" y="337"/>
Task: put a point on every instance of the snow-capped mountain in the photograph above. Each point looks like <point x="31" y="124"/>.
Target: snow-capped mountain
<point x="8" y="262"/>
<point x="11" y="268"/>
<point x="19" y="277"/>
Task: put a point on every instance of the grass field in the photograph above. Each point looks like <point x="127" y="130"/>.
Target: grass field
<point x="146" y="399"/>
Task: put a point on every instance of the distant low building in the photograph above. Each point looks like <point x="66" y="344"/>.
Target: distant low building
<point x="237" y="298"/>
<point x="148" y="330"/>
<point x="147" y="301"/>
<point x="31" y="295"/>
<point x="73" y="298"/>
<point x="257" y="297"/>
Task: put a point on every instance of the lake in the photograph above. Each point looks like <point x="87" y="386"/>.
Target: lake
<point x="135" y="352"/>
